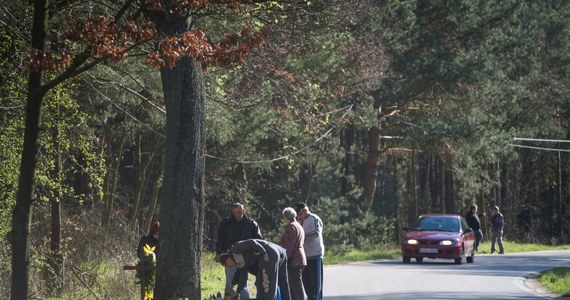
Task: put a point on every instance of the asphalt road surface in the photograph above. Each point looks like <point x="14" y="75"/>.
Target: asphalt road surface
<point x="495" y="277"/>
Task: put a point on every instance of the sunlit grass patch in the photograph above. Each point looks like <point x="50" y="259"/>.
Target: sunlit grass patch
<point x="514" y="247"/>
<point x="557" y="280"/>
<point x="361" y="255"/>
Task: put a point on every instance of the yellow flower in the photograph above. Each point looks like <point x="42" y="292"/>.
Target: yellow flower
<point x="148" y="249"/>
<point x="148" y="295"/>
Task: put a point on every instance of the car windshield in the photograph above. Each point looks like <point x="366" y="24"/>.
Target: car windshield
<point x="438" y="224"/>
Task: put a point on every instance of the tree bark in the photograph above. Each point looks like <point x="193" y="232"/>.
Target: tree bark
<point x="182" y="203"/>
<point x="441" y="182"/>
<point x="412" y="188"/>
<point x="22" y="213"/>
<point x="372" y="161"/>
<point x="346" y="142"/>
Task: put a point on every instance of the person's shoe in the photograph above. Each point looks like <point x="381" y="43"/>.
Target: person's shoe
<point x="502" y="252"/>
<point x="492" y="251"/>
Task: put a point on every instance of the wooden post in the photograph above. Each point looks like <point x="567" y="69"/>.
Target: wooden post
<point x="142" y="269"/>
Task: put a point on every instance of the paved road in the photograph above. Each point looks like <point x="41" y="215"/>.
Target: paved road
<point x="497" y="277"/>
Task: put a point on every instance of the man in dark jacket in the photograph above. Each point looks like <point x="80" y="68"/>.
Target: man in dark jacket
<point x="475" y="224"/>
<point x="267" y="260"/>
<point x="497" y="223"/>
<point x="233" y="229"/>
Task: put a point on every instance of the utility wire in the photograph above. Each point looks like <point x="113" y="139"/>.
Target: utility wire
<point x="542" y="140"/>
<point x="121" y="109"/>
<point x="347" y="108"/>
<point x="540" y="148"/>
<point x="287" y="155"/>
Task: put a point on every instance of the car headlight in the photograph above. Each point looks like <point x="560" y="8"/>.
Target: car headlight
<point x="446" y="243"/>
<point x="412" y="242"/>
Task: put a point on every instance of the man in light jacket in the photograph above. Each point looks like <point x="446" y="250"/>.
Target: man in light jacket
<point x="314" y="250"/>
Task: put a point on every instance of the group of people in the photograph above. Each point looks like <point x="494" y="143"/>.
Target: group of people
<point x="288" y="269"/>
<point x="497" y="225"/>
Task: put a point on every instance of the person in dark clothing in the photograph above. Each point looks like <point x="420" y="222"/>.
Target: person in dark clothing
<point x="151" y="239"/>
<point x="497" y="224"/>
<point x="267" y="260"/>
<point x="233" y="229"/>
<point x="475" y="224"/>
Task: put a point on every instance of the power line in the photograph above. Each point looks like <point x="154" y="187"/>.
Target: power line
<point x="347" y="109"/>
<point x="542" y="140"/>
<point x="540" y="148"/>
<point x="287" y="155"/>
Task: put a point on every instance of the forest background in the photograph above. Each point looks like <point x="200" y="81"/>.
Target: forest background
<point x="371" y="112"/>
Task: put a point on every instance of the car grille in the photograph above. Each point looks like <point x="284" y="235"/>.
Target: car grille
<point x="428" y="242"/>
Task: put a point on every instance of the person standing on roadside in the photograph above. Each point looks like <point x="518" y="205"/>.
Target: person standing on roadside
<point x="497" y="224"/>
<point x="293" y="240"/>
<point x="475" y="224"/>
<point x="314" y="250"/>
<point x="235" y="228"/>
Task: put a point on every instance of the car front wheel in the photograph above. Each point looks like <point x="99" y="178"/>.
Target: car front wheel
<point x="406" y="260"/>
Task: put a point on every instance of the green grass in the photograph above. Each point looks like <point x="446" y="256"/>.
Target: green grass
<point x="360" y="255"/>
<point x="212" y="275"/>
<point x="513" y="247"/>
<point x="557" y="281"/>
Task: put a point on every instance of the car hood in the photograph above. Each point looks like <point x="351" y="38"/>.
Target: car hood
<point x="432" y="235"/>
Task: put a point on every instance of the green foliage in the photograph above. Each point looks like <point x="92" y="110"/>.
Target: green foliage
<point x="361" y="229"/>
<point x="148" y="259"/>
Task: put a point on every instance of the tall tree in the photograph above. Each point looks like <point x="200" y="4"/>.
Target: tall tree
<point x="181" y="53"/>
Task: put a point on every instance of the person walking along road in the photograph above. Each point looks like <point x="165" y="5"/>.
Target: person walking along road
<point x="497" y="224"/>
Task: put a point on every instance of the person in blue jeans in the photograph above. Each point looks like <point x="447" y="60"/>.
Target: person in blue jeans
<point x="268" y="261"/>
<point x="314" y="251"/>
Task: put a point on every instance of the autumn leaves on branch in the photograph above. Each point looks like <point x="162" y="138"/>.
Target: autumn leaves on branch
<point x="105" y="38"/>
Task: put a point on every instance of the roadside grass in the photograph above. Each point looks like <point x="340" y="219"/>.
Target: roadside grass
<point x="513" y="247"/>
<point x="213" y="275"/>
<point x="557" y="281"/>
<point x="386" y="252"/>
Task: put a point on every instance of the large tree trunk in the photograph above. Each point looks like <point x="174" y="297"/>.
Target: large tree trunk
<point x="182" y="203"/>
<point x="21" y="214"/>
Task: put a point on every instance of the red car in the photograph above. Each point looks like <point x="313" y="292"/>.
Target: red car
<point x="439" y="236"/>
